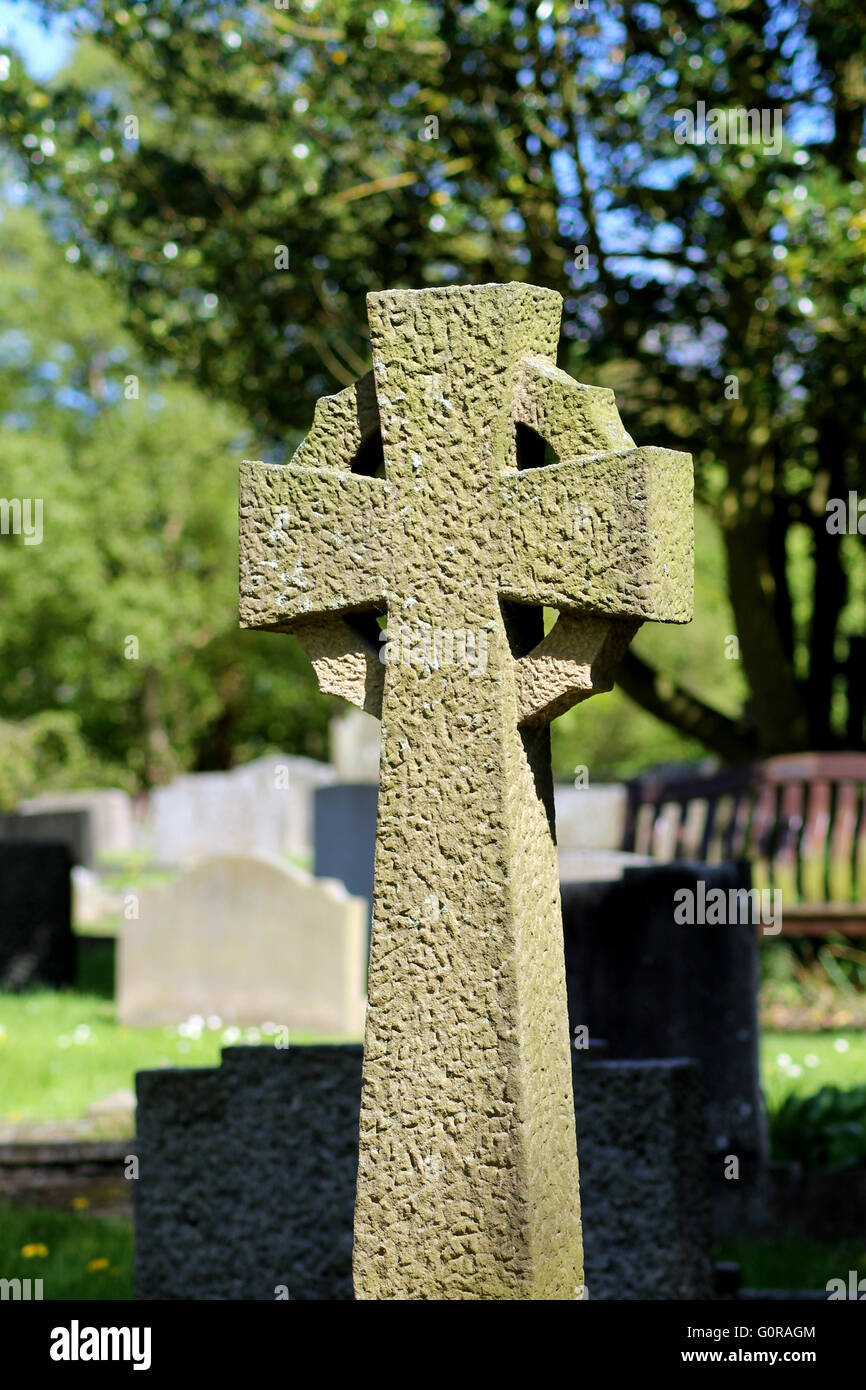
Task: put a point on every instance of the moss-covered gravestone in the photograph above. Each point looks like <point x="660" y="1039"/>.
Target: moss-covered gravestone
<point x="422" y="493"/>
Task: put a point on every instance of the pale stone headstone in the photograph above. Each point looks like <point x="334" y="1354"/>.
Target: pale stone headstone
<point x="263" y="807"/>
<point x="591" y="865"/>
<point x="112" y="820"/>
<point x="355" y="746"/>
<point x="250" y="940"/>
<point x="591" y="818"/>
<point x="467" y="1180"/>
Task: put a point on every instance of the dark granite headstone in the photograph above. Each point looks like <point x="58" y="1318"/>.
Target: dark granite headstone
<point x="36" y="941"/>
<point x="653" y="988"/>
<point x="71" y="828"/>
<point x="643" y="1186"/>
<point x="247" y="1177"/>
<point x="344" y="835"/>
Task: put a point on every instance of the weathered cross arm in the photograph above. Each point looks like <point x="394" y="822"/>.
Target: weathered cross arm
<point x="314" y="549"/>
<point x="611" y="546"/>
<point x="606" y="534"/>
<point x="313" y="543"/>
<point x="315" y="546"/>
<point x="573" y="418"/>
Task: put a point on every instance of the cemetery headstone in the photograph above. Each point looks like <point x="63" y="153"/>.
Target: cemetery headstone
<point x="263" y="807"/>
<point x="112" y="821"/>
<point x="467" y="1179"/>
<point x="344" y="820"/>
<point x="588" y="865"/>
<point x="654" y="987"/>
<point x="355" y="746"/>
<point x="36" y="941"/>
<point x="640" y="1132"/>
<point x="250" y="940"/>
<point x="247" y="1177"/>
<point x="71" y="828"/>
<point x="590" y="817"/>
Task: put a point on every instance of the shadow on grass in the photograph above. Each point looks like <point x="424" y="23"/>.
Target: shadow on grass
<point x="95" y="965"/>
<point x="793" y="1263"/>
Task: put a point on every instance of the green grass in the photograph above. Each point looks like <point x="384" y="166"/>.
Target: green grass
<point x="52" y="1073"/>
<point x="72" y="1241"/>
<point x="62" y="1050"/>
<point x="801" y="1063"/>
<point x="793" y="1264"/>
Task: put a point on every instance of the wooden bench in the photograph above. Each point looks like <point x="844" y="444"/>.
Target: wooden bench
<point x="799" y="820"/>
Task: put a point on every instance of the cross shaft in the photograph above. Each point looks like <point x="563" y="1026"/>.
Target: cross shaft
<point x="467" y="1180"/>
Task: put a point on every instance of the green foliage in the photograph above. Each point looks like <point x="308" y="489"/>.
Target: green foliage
<point x="824" y="1130"/>
<point x="47" y="750"/>
<point x="125" y="615"/>
<point x="550" y="128"/>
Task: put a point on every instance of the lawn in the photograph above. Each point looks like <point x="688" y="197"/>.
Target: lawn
<point x="74" y="1254"/>
<point x="62" y="1051"/>
<point x="792" y="1264"/>
<point x="803" y="1062"/>
<point x="80" y="1256"/>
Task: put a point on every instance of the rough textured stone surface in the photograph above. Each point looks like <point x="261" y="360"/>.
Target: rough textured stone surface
<point x="656" y="988"/>
<point x="467" y="1183"/>
<point x="247" y="1176"/>
<point x="344" y="819"/>
<point x="36" y="942"/>
<point x="643" y="1181"/>
<point x="249" y="939"/>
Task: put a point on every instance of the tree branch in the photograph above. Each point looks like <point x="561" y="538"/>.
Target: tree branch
<point x="733" y="739"/>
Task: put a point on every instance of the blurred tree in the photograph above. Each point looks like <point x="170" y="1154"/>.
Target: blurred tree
<point x="248" y="172"/>
<point x="120" y="611"/>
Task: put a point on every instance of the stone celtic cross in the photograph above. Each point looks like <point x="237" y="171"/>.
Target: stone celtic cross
<point x="421" y="494"/>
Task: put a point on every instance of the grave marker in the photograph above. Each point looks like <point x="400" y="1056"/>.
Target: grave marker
<point x="249" y="939"/>
<point x="467" y="1179"/>
<point x="37" y="946"/>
